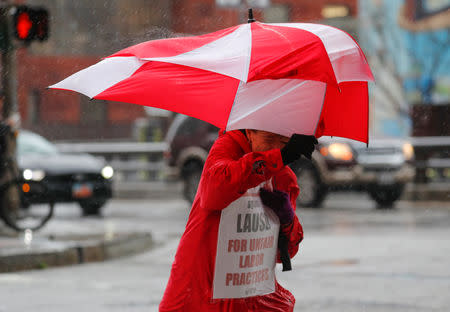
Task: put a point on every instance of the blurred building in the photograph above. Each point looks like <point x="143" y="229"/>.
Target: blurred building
<point x="199" y="16"/>
<point x="83" y="31"/>
<point x="407" y="45"/>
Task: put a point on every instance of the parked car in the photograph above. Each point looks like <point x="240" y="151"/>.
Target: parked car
<point x="382" y="169"/>
<point x="79" y="178"/>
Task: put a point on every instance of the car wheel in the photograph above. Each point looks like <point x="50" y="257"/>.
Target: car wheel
<point x="191" y="179"/>
<point x="92" y="207"/>
<point x="385" y="196"/>
<point x="312" y="190"/>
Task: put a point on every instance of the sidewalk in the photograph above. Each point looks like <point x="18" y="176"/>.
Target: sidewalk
<point x="17" y="254"/>
<point x="60" y="247"/>
<point x="67" y="241"/>
<point x="70" y="240"/>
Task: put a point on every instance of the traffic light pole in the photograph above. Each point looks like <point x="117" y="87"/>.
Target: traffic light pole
<point x="9" y="67"/>
<point x="10" y="115"/>
<point x="25" y="24"/>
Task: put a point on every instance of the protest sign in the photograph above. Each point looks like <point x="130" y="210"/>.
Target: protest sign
<point x="246" y="249"/>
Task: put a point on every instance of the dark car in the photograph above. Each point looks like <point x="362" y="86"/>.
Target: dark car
<point x="78" y="178"/>
<point x="382" y="170"/>
<point x="189" y="141"/>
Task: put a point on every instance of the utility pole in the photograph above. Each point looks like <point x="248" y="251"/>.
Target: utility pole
<point x="19" y="25"/>
<point x="9" y="65"/>
<point x="10" y="116"/>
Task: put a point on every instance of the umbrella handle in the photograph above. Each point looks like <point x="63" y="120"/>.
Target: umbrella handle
<point x="250" y="16"/>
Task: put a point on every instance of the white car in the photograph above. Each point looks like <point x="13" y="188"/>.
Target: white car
<point x="382" y="169"/>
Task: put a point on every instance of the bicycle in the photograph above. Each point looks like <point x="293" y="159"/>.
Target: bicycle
<point x="23" y="204"/>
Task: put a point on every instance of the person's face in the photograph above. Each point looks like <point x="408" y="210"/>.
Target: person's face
<point x="261" y="141"/>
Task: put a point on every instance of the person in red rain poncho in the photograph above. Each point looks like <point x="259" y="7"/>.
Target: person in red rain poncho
<point x="239" y="163"/>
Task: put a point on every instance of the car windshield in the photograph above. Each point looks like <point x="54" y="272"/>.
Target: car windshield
<point x="31" y="143"/>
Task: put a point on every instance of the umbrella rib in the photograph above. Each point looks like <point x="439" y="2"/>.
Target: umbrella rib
<point x="249" y="55"/>
<point x="234" y="102"/>
<point x="321" y="109"/>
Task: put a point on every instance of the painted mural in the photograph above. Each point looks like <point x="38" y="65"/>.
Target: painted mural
<point x="407" y="43"/>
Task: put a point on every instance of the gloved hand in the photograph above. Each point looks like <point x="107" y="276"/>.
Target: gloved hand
<point x="297" y="146"/>
<point x="279" y="202"/>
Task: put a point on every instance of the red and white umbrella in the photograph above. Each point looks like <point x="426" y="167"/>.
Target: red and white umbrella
<point x="284" y="78"/>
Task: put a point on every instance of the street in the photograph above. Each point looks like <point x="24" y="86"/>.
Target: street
<point x="115" y="110"/>
<point x="353" y="258"/>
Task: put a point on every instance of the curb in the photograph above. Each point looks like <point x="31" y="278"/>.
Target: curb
<point x="160" y="190"/>
<point x="428" y="191"/>
<point x="146" y="189"/>
<point x="77" y="253"/>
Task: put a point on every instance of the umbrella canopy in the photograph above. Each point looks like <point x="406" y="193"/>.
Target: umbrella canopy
<point x="284" y="78"/>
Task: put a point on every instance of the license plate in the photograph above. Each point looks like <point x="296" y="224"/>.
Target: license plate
<point x="386" y="178"/>
<point x="82" y="190"/>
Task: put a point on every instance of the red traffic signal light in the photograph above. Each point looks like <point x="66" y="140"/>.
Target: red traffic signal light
<point x="23" y="24"/>
<point x="30" y="23"/>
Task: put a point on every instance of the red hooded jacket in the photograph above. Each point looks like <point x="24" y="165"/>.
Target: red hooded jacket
<point x="228" y="172"/>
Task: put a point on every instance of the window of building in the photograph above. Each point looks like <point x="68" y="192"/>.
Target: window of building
<point x="34" y="107"/>
<point x="276" y="14"/>
<point x="93" y="111"/>
<point x="228" y="3"/>
<point x="335" y="11"/>
<point x="260" y="4"/>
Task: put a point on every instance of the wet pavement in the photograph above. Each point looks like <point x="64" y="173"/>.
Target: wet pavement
<point x="353" y="258"/>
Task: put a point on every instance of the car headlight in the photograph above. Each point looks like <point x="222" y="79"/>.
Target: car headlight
<point x="107" y="172"/>
<point x="33" y="175"/>
<point x="408" y="151"/>
<point x="340" y="151"/>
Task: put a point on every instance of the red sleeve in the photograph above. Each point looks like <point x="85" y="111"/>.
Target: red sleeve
<point x="227" y="174"/>
<point x="294" y="233"/>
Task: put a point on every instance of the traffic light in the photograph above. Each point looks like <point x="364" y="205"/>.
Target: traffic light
<point x="30" y="23"/>
<point x="41" y="20"/>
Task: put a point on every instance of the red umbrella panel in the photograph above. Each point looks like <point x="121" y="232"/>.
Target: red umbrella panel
<point x="284" y="78"/>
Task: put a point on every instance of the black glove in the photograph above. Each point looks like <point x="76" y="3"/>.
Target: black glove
<point x="297" y="146"/>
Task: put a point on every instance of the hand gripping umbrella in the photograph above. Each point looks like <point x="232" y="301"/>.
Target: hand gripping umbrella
<point x="284" y="78"/>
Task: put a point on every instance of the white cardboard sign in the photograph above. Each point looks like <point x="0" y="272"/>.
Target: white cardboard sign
<point x="246" y="249"/>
